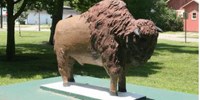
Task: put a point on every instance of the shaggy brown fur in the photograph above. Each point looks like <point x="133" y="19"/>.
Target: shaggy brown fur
<point x="109" y="19"/>
<point x="109" y="29"/>
<point x="112" y="27"/>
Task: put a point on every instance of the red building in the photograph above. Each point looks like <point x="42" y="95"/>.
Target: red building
<point x="191" y="7"/>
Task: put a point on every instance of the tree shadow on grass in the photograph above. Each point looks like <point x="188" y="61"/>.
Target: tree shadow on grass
<point x="31" y="60"/>
<point x="39" y="59"/>
<point x="177" y="48"/>
<point x="140" y="71"/>
<point x="98" y="71"/>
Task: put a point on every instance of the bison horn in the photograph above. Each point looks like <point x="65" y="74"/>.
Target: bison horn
<point x="136" y="31"/>
<point x="159" y="29"/>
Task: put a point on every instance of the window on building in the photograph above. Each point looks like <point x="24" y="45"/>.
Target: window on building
<point x="194" y="15"/>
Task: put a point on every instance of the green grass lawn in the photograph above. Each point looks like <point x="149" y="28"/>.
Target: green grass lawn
<point x="173" y="66"/>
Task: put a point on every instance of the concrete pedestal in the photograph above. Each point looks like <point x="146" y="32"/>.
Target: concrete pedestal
<point x="88" y="91"/>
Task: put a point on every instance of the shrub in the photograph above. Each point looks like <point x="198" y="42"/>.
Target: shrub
<point x="157" y="11"/>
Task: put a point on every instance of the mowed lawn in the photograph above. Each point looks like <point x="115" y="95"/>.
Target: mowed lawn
<point x="174" y="65"/>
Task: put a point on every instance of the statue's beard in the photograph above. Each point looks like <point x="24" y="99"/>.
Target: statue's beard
<point x="136" y="61"/>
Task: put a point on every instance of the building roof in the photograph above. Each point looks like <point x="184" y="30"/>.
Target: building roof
<point x="67" y="7"/>
<point x="190" y="3"/>
<point x="197" y="1"/>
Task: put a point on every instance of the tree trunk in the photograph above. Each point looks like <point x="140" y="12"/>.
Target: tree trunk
<point x="1" y="17"/>
<point x="10" y="50"/>
<point x="56" y="17"/>
<point x="53" y="26"/>
<point x="11" y="17"/>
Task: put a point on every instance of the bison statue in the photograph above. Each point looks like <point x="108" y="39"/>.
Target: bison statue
<point x="106" y="35"/>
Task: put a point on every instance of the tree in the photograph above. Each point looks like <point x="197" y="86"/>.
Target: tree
<point x="56" y="16"/>
<point x="82" y="5"/>
<point x="21" y="5"/>
<point x="10" y="48"/>
<point x="2" y="4"/>
<point x="155" y="10"/>
<point x="53" y="7"/>
<point x="23" y="16"/>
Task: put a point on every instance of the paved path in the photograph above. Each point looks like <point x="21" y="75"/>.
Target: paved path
<point x="29" y="28"/>
<point x="191" y="37"/>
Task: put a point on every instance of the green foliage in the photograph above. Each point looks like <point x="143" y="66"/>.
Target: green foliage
<point x="167" y="18"/>
<point x="23" y="15"/>
<point x="48" y="5"/>
<point x="37" y="5"/>
<point x="82" y="5"/>
<point x="157" y="11"/>
<point x="21" y="19"/>
<point x="2" y="3"/>
<point x="140" y="8"/>
<point x="67" y="3"/>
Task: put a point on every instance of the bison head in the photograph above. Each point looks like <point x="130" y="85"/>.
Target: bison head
<point x="143" y="41"/>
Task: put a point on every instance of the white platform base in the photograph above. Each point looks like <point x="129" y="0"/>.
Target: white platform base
<point x="90" y="91"/>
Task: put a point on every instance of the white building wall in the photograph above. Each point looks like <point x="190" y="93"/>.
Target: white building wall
<point x="45" y="18"/>
<point x="33" y="18"/>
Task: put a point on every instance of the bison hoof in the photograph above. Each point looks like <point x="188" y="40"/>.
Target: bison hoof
<point x="113" y="93"/>
<point x="122" y="90"/>
<point x="65" y="84"/>
<point x="71" y="80"/>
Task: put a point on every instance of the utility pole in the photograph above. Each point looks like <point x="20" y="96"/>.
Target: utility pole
<point x="185" y="30"/>
<point x="185" y="16"/>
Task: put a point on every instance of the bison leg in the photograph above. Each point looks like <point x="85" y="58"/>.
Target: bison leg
<point x="113" y="85"/>
<point x="122" y="81"/>
<point x="71" y="62"/>
<point x="65" y="64"/>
